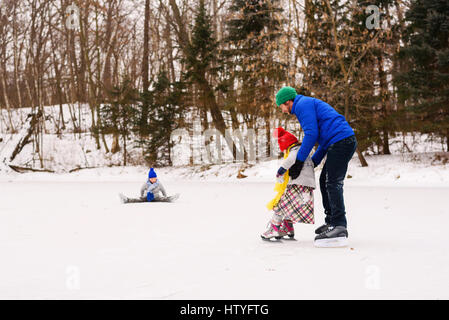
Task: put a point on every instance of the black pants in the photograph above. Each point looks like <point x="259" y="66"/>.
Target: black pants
<point x="137" y="200"/>
<point x="331" y="180"/>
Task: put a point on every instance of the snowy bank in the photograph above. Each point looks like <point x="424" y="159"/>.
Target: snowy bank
<point x="406" y="170"/>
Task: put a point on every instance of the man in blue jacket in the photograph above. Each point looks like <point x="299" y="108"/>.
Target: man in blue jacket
<point x="323" y="125"/>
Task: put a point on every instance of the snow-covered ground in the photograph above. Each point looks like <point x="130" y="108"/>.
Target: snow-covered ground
<point x="67" y="236"/>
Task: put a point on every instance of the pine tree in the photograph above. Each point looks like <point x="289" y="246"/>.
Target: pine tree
<point x="253" y="44"/>
<point x="120" y="113"/>
<point x="202" y="50"/>
<point x="201" y="55"/>
<point x="424" y="84"/>
<point x="143" y="122"/>
<point x="165" y="115"/>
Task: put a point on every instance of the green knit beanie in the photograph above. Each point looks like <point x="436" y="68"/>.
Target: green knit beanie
<point x="285" y="94"/>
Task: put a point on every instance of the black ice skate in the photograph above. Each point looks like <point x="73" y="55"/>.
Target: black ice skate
<point x="322" y="228"/>
<point x="333" y="237"/>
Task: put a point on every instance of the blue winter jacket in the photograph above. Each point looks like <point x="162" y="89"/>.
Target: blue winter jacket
<point x="320" y="123"/>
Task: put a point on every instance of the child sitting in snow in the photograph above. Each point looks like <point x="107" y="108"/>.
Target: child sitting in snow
<point x="150" y="191"/>
<point x="294" y="201"/>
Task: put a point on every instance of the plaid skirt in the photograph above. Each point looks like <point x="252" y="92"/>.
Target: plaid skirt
<point x="296" y="204"/>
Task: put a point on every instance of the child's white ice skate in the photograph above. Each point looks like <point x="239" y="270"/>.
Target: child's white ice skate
<point x="272" y="233"/>
<point x="287" y="229"/>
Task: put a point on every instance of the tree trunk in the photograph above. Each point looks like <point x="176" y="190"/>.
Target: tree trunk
<point x="204" y="85"/>
<point x="268" y="138"/>
<point x="115" y="143"/>
<point x="361" y="158"/>
<point x="236" y="129"/>
<point x="17" y="58"/>
<point x="124" y="150"/>
<point x="92" y="89"/>
<point x="8" y="107"/>
<point x="205" y="127"/>
<point x="34" y="122"/>
<point x="385" y="141"/>
<point x="73" y="87"/>
<point x="447" y="140"/>
<point x="61" y="124"/>
<point x="217" y="117"/>
<point x="145" y="66"/>
<point x="384" y="101"/>
<point x="109" y="44"/>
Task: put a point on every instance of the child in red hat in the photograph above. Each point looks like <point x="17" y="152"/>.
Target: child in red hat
<point x="294" y="202"/>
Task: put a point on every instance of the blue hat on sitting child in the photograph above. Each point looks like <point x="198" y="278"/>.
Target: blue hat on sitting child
<point x="152" y="174"/>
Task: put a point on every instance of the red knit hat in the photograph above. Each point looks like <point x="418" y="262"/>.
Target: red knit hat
<point x="285" y="138"/>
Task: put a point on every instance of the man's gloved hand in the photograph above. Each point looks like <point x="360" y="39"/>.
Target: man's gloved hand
<point x="295" y="170"/>
<point x="280" y="172"/>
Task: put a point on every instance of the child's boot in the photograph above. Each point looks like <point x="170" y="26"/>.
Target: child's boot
<point x="123" y="198"/>
<point x="287" y="229"/>
<point x="272" y="232"/>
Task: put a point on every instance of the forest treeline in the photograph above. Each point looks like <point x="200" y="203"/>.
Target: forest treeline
<point x="146" y="68"/>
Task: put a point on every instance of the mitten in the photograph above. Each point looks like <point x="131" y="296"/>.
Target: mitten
<point x="150" y="196"/>
<point x="280" y="172"/>
<point x="295" y="170"/>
